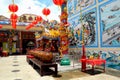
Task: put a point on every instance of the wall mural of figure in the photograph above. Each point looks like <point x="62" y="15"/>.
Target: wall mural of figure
<point x="90" y="34"/>
<point x="110" y="23"/>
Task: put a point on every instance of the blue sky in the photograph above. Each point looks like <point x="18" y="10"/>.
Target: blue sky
<point x="31" y="7"/>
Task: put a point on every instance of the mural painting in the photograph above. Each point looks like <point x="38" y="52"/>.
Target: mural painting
<point x="90" y="26"/>
<point x="110" y="24"/>
<point x="109" y="14"/>
<point x="70" y="7"/>
<point x="82" y="4"/>
<point x="74" y="6"/>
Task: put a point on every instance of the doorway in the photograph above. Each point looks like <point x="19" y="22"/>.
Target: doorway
<point x="27" y="44"/>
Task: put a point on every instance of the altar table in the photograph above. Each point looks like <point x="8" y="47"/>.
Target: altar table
<point x="94" y="62"/>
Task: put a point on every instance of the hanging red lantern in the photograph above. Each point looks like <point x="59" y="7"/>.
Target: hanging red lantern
<point x="14" y="25"/>
<point x="0" y="26"/>
<point x="13" y="16"/>
<point x="13" y="7"/>
<point x="58" y="2"/>
<point x="46" y="11"/>
<point x="13" y="20"/>
<point x="39" y="18"/>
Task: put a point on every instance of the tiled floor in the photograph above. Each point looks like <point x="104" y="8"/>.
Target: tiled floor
<point x="16" y="68"/>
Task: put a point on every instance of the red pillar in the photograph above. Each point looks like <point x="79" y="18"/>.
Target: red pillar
<point x="83" y="60"/>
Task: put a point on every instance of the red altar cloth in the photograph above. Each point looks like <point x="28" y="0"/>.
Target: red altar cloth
<point x="94" y="62"/>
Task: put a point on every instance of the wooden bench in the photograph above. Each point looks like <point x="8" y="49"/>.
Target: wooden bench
<point x="44" y="67"/>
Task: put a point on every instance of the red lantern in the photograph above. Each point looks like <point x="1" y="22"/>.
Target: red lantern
<point x="13" y="7"/>
<point x="58" y="2"/>
<point x="46" y="11"/>
<point x="14" y="25"/>
<point x="0" y="26"/>
<point x="39" y="18"/>
<point x="13" y="16"/>
<point x="13" y="20"/>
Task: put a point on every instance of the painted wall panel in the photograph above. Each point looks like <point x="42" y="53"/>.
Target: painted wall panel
<point x="110" y="24"/>
<point x="105" y="16"/>
<point x="74" y="6"/>
<point x="89" y="20"/>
